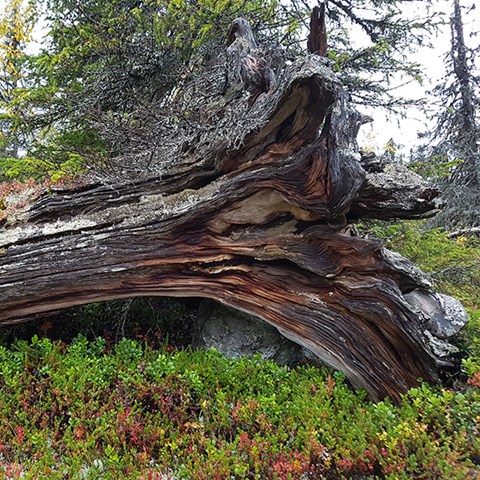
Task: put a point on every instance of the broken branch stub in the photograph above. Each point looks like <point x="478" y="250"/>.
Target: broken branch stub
<point x="253" y="214"/>
<point x="317" y="37"/>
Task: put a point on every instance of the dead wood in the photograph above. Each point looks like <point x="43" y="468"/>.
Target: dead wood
<point x="251" y="208"/>
<point x="317" y="38"/>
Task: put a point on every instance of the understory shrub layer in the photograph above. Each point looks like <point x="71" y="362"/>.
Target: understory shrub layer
<point x="94" y="411"/>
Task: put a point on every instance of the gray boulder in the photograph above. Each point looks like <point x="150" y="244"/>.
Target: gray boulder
<point x="238" y="334"/>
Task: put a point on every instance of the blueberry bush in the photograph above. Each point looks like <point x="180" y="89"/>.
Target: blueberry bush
<point x="101" y="410"/>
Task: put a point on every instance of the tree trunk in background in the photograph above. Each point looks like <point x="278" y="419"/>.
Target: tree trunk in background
<point x="253" y="213"/>
<point x="469" y="133"/>
<point x="455" y="140"/>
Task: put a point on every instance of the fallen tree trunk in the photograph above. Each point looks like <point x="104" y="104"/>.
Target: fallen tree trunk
<point x="254" y="213"/>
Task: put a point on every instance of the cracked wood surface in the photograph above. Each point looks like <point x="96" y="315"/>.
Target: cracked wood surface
<point x="262" y="227"/>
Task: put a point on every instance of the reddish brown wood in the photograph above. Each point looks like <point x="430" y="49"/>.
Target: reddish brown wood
<point x="260" y="223"/>
<point x="317" y="38"/>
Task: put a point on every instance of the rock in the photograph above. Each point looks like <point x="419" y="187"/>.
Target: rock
<point x="440" y="348"/>
<point x="444" y="316"/>
<point x="237" y="334"/>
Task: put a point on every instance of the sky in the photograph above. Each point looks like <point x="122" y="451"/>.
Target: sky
<point x="384" y="127"/>
<point x="404" y="131"/>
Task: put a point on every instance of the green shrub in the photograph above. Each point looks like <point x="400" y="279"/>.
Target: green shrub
<point x="472" y="341"/>
<point x="93" y="411"/>
<point x="22" y="169"/>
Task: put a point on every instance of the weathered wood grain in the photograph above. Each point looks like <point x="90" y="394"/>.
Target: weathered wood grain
<point x="261" y="227"/>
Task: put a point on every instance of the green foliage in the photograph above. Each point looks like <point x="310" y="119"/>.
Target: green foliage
<point x="22" y="169"/>
<point x="471" y="363"/>
<point x="118" y="53"/>
<point x="91" y="411"/>
<point x="454" y="263"/>
<point x="437" y="167"/>
<point x="16" y="23"/>
<point x="370" y="44"/>
<point x="110" y="56"/>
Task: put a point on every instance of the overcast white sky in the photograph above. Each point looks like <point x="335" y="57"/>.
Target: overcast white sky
<point x="403" y="131"/>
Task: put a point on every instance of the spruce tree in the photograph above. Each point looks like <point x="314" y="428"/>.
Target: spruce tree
<point x="453" y="156"/>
